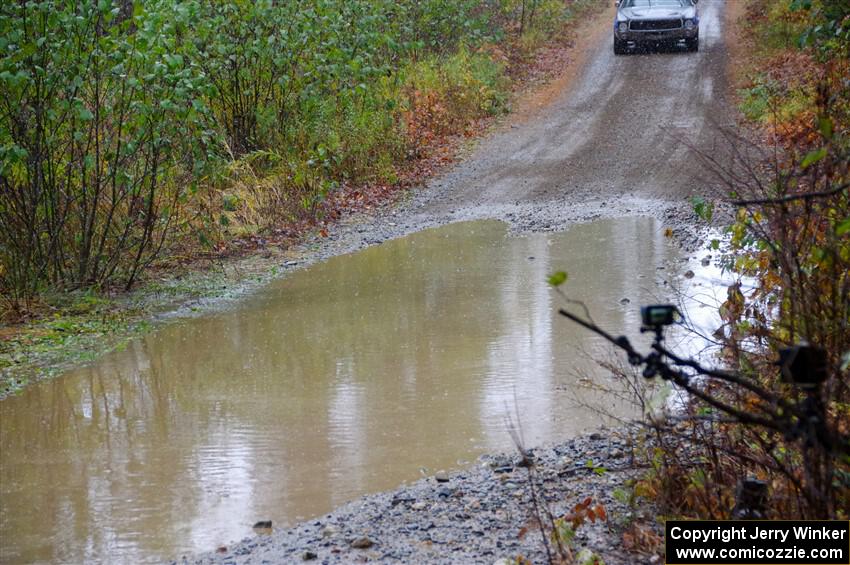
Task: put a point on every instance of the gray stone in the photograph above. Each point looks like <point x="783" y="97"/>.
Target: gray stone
<point x="362" y="543"/>
<point x="444" y="492"/>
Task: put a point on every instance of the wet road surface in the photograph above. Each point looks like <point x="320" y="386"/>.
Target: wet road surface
<point x="622" y="132"/>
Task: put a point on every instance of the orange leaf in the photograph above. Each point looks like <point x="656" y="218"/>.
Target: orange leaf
<point x="600" y="511"/>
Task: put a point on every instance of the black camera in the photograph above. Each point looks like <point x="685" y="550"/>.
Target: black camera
<point x="658" y="315"/>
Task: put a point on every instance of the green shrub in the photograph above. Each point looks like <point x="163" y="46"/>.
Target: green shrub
<point x="117" y="123"/>
<point x="103" y="128"/>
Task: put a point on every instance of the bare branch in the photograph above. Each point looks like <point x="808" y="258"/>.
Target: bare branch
<point x="792" y="197"/>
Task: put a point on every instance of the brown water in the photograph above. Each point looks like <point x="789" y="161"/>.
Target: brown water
<point x="345" y="378"/>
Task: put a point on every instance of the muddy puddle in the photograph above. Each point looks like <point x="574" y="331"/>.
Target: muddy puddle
<point x="348" y="377"/>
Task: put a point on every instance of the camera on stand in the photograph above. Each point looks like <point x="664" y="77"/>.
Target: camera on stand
<point x="658" y="316"/>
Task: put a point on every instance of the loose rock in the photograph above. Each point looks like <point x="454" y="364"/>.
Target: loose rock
<point x="362" y="543"/>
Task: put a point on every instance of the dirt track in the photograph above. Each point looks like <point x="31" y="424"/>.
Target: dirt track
<point x="619" y="136"/>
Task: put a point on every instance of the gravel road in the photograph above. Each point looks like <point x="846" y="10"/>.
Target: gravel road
<point x="615" y="143"/>
<point x="620" y="135"/>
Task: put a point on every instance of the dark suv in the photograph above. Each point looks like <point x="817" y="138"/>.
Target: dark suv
<point x="641" y="22"/>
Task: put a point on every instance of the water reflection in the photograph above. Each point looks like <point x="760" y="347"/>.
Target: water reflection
<point x="342" y="379"/>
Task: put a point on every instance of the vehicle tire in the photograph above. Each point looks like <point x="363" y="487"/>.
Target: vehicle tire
<point x="692" y="44"/>
<point x="619" y="47"/>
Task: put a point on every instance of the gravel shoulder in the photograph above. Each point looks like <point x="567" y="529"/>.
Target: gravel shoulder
<point x="474" y="516"/>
